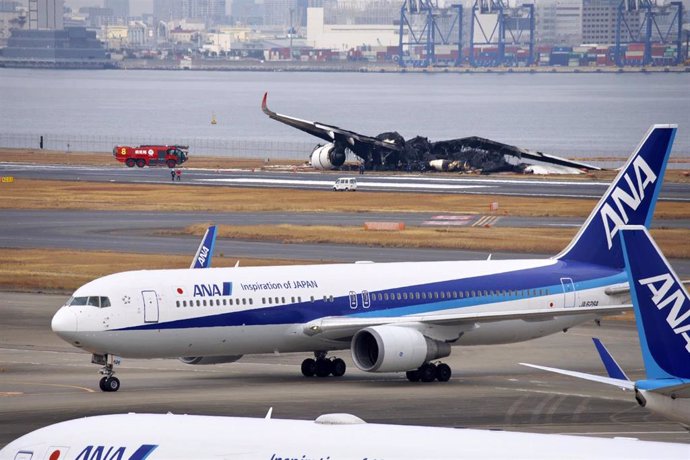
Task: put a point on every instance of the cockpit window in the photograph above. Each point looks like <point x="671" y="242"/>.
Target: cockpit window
<point x="94" y="301"/>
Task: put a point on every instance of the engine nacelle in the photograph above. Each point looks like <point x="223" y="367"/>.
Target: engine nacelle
<point x="394" y="349"/>
<point x="327" y="157"/>
<point x="201" y="360"/>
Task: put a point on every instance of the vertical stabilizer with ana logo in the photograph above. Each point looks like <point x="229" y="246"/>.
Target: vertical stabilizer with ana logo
<point x="203" y="256"/>
<point x="629" y="200"/>
<point x="662" y="307"/>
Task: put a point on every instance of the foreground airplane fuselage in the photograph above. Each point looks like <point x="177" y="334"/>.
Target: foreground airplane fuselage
<point x="233" y="311"/>
<point x="394" y="317"/>
<point x="330" y="437"/>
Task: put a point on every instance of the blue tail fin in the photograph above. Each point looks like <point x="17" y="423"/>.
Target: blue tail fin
<point x="662" y="306"/>
<point x="202" y="258"/>
<point x="629" y="200"/>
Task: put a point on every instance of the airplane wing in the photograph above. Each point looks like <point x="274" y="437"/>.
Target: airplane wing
<point x="624" y="384"/>
<point x="354" y="141"/>
<point x="344" y="327"/>
<point x="202" y="258"/>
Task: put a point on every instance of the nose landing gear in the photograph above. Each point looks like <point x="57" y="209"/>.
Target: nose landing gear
<point x="322" y="366"/>
<point x="108" y="382"/>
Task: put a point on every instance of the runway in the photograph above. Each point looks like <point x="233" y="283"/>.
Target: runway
<point x="43" y="380"/>
<point x="418" y="183"/>
<point x="136" y="232"/>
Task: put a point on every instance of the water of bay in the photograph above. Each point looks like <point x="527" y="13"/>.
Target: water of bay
<point x="581" y="115"/>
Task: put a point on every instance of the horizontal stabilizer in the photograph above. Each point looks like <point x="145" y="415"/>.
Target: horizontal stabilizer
<point x="624" y="384"/>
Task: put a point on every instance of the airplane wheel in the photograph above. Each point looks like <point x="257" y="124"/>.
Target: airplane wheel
<point x="111" y="384"/>
<point x="427" y="373"/>
<point x="101" y="384"/>
<point x="323" y="367"/>
<point x="308" y="367"/>
<point x="443" y="372"/>
<point x="412" y="376"/>
<point x="338" y="367"/>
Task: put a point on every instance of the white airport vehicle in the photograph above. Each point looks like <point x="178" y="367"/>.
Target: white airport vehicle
<point x="395" y="317"/>
<point x="329" y="437"/>
<point x="662" y="312"/>
<point x="345" y="184"/>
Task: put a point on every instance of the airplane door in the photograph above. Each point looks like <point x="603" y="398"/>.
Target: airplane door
<point x="568" y="292"/>
<point x="353" y="300"/>
<point x="150" y="306"/>
<point x="366" y="302"/>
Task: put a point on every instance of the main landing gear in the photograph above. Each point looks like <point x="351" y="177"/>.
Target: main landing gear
<point x="322" y="366"/>
<point x="428" y="372"/>
<point x="108" y="382"/>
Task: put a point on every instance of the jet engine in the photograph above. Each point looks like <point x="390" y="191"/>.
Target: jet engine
<point x="394" y="349"/>
<point x="327" y="157"/>
<point x="200" y="360"/>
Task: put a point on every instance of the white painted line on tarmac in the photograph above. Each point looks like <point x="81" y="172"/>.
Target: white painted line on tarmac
<point x="360" y="184"/>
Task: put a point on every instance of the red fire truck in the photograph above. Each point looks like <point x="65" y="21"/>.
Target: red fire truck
<point x="152" y="155"/>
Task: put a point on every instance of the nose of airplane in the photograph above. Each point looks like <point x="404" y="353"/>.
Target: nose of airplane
<point x="64" y="321"/>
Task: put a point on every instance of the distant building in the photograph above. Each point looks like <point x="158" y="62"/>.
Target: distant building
<point x="210" y="12"/>
<point x="72" y="47"/>
<point x="347" y="36"/>
<point x="599" y="21"/>
<point x="559" y="22"/>
<point x="119" y="8"/>
<point x="12" y="16"/>
<point x="247" y="12"/>
<point x="46" y="14"/>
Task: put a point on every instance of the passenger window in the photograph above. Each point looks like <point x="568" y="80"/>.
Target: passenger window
<point x="244" y="301"/>
<point x="204" y="302"/>
<point x="270" y="301"/>
<point x="312" y="298"/>
<point x="435" y="295"/>
<point x="178" y="304"/>
<point x="251" y="301"/>
<point x="443" y="295"/>
<point x="424" y="295"/>
<point x="398" y="296"/>
<point x="404" y="295"/>
<point x="225" y="302"/>
<point x="330" y="298"/>
<point x="385" y="296"/>
<point x="184" y="303"/>
<point x="299" y="299"/>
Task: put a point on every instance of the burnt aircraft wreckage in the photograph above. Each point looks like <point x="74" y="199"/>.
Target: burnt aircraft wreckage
<point x="390" y="151"/>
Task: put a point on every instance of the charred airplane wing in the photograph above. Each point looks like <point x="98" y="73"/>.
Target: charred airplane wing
<point x="333" y="154"/>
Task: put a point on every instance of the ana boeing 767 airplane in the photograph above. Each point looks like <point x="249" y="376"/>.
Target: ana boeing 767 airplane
<point x="329" y="437"/>
<point x="395" y="317"/>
